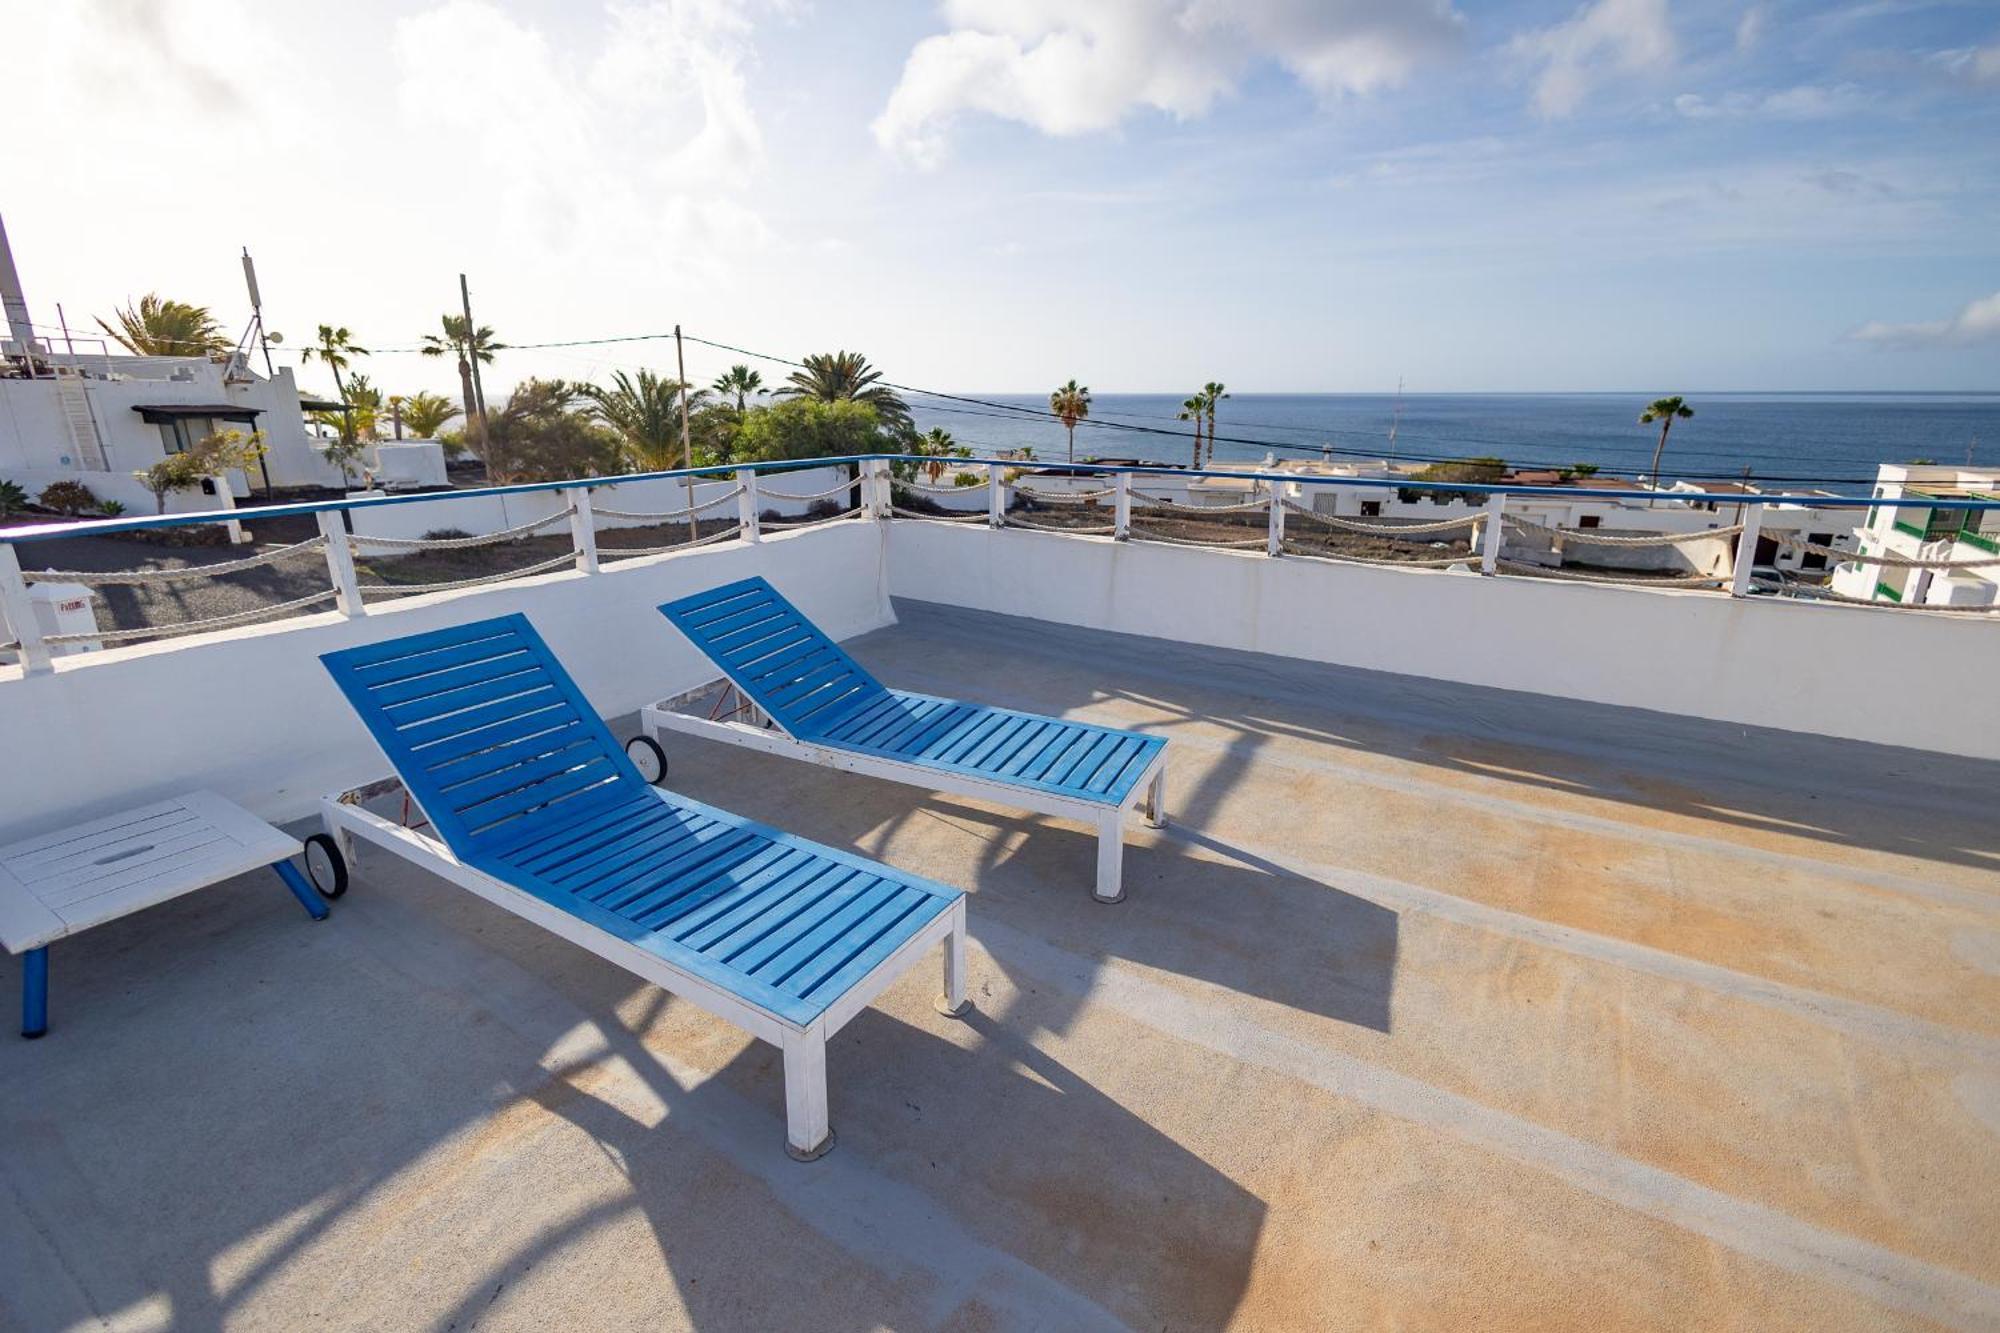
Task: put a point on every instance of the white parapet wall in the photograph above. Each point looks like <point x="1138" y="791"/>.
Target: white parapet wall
<point x="1897" y="678"/>
<point x="249" y="712"/>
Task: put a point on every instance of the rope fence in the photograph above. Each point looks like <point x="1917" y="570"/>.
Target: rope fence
<point x="1164" y="502"/>
<point x="1227" y="545"/>
<point x="1805" y="593"/>
<point x="1380" y="529"/>
<point x="358" y="540"/>
<point x="669" y="515"/>
<point x="979" y="485"/>
<point x="121" y="577"/>
<point x="1065" y="497"/>
<point x="1095" y="529"/>
<point x="844" y="486"/>
<point x="1387" y="562"/>
<point x="901" y="512"/>
<point x="1798" y="543"/>
<point x="1589" y="538"/>
<point x="1578" y="576"/>
<point x="635" y="551"/>
<point x="404" y="589"/>
<point x="807" y="521"/>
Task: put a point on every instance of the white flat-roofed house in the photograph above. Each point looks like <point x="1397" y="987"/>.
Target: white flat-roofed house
<point x="97" y="418"/>
<point x="1916" y="530"/>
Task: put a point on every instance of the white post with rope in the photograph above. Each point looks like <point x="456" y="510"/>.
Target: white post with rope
<point x="746" y="506"/>
<point x="340" y="564"/>
<point x="19" y="613"/>
<point x="879" y="468"/>
<point x="1746" y="551"/>
<point x="996" y="495"/>
<point x="1489" y="546"/>
<point x="1121" y="507"/>
<point x="1274" y="541"/>
<point x="583" y="529"/>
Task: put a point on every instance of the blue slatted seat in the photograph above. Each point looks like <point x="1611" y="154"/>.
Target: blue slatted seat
<point x="822" y="698"/>
<point x="525" y="785"/>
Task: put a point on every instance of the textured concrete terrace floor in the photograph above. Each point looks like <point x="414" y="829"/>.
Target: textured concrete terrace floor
<point x="1437" y="1007"/>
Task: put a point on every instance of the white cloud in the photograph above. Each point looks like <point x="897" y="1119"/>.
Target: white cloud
<point x="1082" y="66"/>
<point x="646" y="142"/>
<point x="1978" y="322"/>
<point x="1750" y="28"/>
<point x="1981" y="64"/>
<point x="1805" y="102"/>
<point x="1611" y="35"/>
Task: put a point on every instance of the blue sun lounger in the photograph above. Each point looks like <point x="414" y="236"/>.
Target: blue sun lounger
<point x="539" y="812"/>
<point x="823" y="708"/>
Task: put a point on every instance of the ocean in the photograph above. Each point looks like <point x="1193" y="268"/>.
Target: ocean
<point x="1830" y="440"/>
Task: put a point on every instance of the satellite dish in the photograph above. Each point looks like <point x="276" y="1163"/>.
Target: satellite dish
<point x="274" y="337"/>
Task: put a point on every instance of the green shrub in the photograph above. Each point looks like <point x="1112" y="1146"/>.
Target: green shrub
<point x="12" y="499"/>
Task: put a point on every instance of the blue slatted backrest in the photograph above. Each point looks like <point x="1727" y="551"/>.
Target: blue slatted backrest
<point x="486" y="730"/>
<point x="775" y="655"/>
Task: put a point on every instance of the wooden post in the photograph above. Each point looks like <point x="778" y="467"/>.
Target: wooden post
<point x="746" y="507"/>
<point x="340" y="563"/>
<point x="687" y="449"/>
<point x="1746" y="550"/>
<point x="1121" y="507"/>
<point x="583" y="529"/>
<point x="19" y="612"/>
<point x="996" y="496"/>
<point x="1274" y="542"/>
<point x="1489" y="546"/>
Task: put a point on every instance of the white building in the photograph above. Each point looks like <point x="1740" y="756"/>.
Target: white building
<point x="1922" y="531"/>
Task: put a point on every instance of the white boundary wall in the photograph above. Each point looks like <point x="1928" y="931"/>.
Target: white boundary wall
<point x="1892" y="677"/>
<point x="481" y="514"/>
<point x="251" y="714"/>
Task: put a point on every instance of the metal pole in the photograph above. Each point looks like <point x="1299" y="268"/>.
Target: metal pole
<point x="478" y="387"/>
<point x="687" y="449"/>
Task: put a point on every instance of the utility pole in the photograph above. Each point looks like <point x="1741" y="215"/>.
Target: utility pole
<point x="478" y="389"/>
<point x="687" y="449"/>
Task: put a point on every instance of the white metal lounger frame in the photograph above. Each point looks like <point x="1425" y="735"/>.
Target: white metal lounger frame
<point x="762" y="732"/>
<point x="808" y="1132"/>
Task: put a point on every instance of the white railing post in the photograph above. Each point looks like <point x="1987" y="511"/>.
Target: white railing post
<point x="1492" y="533"/>
<point x="1274" y="542"/>
<point x="1746" y="551"/>
<point x="19" y="613"/>
<point x="340" y="563"/>
<point x="583" y="529"/>
<point x="746" y="506"/>
<point x="996" y="495"/>
<point x="1121" y="507"/>
<point x="879" y="507"/>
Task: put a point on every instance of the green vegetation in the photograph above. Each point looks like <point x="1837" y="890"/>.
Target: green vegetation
<point x="479" y="346"/>
<point x="1211" y="393"/>
<point x="425" y="413"/>
<point x="740" y="383"/>
<point x="1191" y="410"/>
<point x="336" y="349"/>
<point x="809" y="428"/>
<point x="644" y="411"/>
<point x="546" y="433"/>
<point x="1070" y="403"/>
<point x="831" y="377"/>
<point x="157" y="326"/>
<point x="1484" y="470"/>
<point x="12" y="499"/>
<point x="225" y="451"/>
<point x="1665" y="411"/>
<point x="938" y="448"/>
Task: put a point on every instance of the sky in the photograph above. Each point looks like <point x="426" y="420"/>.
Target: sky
<point x="998" y="195"/>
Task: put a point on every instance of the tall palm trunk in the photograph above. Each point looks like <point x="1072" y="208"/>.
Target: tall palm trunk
<point x="1197" y="444"/>
<point x="1070" y="426"/>
<point x="471" y="407"/>
<point x="1666" y="424"/>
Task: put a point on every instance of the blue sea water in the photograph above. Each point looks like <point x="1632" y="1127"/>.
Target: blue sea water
<point x="1834" y="440"/>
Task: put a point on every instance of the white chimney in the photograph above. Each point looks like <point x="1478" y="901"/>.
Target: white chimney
<point x="18" y="322"/>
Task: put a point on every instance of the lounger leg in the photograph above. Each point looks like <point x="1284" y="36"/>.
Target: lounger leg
<point x="808" y="1137"/>
<point x="953" y="1004"/>
<point x="35" y="992"/>
<point x="307" y="895"/>
<point x="1111" y="859"/>
<point x="1156" y="799"/>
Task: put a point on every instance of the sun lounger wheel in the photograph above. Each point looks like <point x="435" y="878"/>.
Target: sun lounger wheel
<point x="325" y="866"/>
<point x="647" y="756"/>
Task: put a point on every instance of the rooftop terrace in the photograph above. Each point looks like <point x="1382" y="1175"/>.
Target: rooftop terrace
<point x="1438" y="1005"/>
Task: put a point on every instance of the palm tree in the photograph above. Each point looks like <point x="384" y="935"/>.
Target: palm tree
<point x="742" y="383"/>
<point x="1071" y="404"/>
<point x="1665" y="411"/>
<point x="337" y="348"/>
<point x="1211" y="393"/>
<point x="481" y="346"/>
<point x="937" y="446"/>
<point x="1192" y="410"/>
<point x="832" y="376"/>
<point x="645" y="411"/>
<point x="426" y="413"/>
<point x="156" y="326"/>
